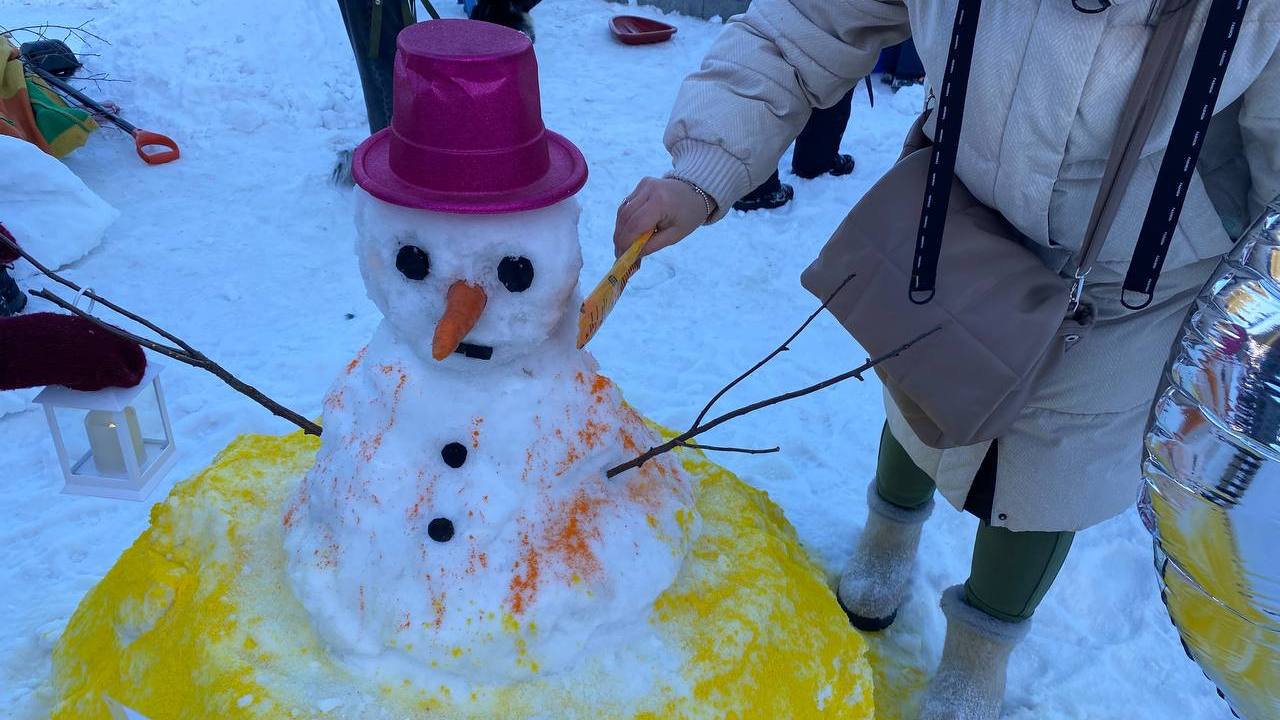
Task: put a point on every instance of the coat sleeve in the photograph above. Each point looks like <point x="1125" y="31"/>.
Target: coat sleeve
<point x="1260" y="131"/>
<point x="735" y="116"/>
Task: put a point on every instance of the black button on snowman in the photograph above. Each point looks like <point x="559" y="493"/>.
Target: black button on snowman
<point x="454" y="455"/>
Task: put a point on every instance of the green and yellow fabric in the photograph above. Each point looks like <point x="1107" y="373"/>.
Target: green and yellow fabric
<point x="31" y="111"/>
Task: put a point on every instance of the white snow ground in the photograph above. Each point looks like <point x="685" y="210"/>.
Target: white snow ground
<point x="245" y="250"/>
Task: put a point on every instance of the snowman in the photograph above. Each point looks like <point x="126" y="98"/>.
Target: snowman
<point x="457" y="527"/>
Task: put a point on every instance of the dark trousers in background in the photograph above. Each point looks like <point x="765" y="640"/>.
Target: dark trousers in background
<point x="372" y="30"/>
<point x="817" y="145"/>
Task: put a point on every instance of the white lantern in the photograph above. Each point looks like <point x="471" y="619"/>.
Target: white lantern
<point x="115" y="442"/>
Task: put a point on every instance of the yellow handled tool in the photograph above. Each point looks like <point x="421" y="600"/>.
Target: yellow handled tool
<point x="606" y="293"/>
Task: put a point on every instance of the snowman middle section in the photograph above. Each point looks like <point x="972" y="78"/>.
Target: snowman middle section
<point x="462" y="524"/>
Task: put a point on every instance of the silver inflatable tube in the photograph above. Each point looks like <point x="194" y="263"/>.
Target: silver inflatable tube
<point x="1212" y="469"/>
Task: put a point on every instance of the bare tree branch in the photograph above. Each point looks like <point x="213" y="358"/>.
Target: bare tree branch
<point x="183" y="353"/>
<point x="720" y="448"/>
<point x="698" y="429"/>
<point x="785" y="346"/>
<point x="13" y="245"/>
<point x="41" y="31"/>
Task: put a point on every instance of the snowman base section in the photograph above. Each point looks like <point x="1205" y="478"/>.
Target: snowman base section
<point x="197" y="620"/>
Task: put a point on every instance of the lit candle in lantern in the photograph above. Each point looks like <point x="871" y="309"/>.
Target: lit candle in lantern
<point x="104" y="439"/>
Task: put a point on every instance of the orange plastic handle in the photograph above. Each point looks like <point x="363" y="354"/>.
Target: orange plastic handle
<point x="143" y="139"/>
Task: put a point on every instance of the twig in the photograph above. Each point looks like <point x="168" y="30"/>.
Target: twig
<point x="718" y="448"/>
<point x="42" y="31"/>
<point x="183" y="353"/>
<point x="13" y="245"/>
<point x="698" y="429"/>
<point x="100" y="77"/>
<point x="785" y="346"/>
<point x="194" y="359"/>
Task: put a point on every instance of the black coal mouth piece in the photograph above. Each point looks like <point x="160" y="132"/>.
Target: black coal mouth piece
<point x="474" y="351"/>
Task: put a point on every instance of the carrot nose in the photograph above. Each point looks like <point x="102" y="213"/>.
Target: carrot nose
<point x="463" y="306"/>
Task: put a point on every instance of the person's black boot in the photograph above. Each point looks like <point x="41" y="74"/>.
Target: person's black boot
<point x="12" y="299"/>
<point x="769" y="200"/>
<point x="843" y="164"/>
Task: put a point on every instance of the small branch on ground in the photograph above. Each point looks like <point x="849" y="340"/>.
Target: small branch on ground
<point x="700" y="428"/>
<point x="719" y="448"/>
<point x="41" y="31"/>
<point x="183" y="352"/>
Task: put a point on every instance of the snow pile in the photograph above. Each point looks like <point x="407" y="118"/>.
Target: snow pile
<point x="53" y="214"/>
<point x="50" y="210"/>
<point x="458" y="519"/>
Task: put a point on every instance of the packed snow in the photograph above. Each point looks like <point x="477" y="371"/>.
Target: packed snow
<point x="457" y="526"/>
<point x="244" y="249"/>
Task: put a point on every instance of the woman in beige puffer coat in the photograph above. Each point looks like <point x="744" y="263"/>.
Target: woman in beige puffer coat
<point x="1046" y="88"/>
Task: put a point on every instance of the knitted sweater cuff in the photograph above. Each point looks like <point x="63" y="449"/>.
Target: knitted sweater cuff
<point x="718" y="172"/>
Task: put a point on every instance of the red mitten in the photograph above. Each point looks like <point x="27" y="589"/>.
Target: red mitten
<point x="7" y="254"/>
<point x="52" y="349"/>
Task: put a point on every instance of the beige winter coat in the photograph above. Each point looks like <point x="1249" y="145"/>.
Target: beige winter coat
<point x="1046" y="88"/>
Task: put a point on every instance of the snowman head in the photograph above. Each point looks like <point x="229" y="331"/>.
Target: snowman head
<point x="470" y="288"/>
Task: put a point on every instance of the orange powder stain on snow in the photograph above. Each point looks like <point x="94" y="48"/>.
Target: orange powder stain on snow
<point x="336" y="399"/>
<point x="296" y="504"/>
<point x="327" y="557"/>
<point x="599" y="387"/>
<point x="571" y="456"/>
<point x="370" y="446"/>
<point x="524" y="583"/>
<point x="359" y="358"/>
<point x="597" y="384"/>
<point x="528" y="465"/>
<point x="476" y="560"/>
<point x="476" y="422"/>
<point x="404" y="625"/>
<point x="646" y="491"/>
<point x="426" y="494"/>
<point x="564" y="551"/>
<point x="593" y="433"/>
<point x="437" y="607"/>
<point x="571" y="533"/>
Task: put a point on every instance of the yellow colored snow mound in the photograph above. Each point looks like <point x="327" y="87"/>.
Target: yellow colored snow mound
<point x="197" y="620"/>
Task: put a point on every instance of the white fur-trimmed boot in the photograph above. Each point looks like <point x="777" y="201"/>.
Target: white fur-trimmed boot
<point x="970" y="681"/>
<point x="874" y="582"/>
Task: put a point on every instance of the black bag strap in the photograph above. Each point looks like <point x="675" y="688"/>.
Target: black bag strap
<point x="942" y="163"/>
<point x="1136" y="118"/>
<point x="1194" y="114"/>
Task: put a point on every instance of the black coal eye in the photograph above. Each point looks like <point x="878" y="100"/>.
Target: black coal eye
<point x="413" y="262"/>
<point x="440" y="530"/>
<point x="516" y="273"/>
<point x="454" y="454"/>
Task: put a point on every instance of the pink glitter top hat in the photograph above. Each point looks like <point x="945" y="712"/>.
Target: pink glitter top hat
<point x="466" y="131"/>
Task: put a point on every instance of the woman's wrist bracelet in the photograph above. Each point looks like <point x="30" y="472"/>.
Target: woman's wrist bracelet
<point x="706" y="199"/>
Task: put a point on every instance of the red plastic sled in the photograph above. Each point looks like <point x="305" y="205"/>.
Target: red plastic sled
<point x="634" y="30"/>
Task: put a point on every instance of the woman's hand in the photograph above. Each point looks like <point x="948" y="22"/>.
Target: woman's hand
<point x="672" y="207"/>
